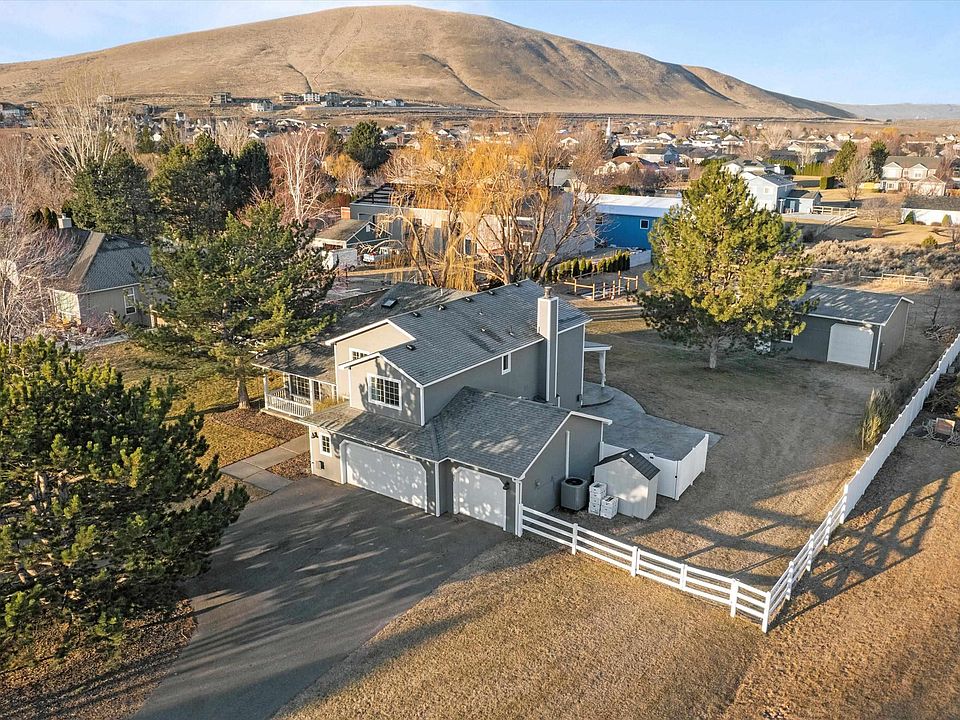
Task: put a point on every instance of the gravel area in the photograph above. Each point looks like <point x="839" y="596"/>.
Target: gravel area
<point x="260" y="422"/>
<point x="295" y="468"/>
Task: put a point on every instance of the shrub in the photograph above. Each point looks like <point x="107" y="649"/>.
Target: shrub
<point x="910" y="219"/>
<point x="876" y="417"/>
<point x="928" y="243"/>
<point x="947" y="221"/>
<point x="827" y="182"/>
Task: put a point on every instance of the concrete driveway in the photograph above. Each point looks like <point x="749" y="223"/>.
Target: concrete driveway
<point x="305" y="577"/>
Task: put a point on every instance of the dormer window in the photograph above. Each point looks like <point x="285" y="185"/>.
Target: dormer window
<point x="384" y="391"/>
<point x="357" y="354"/>
<point x="505" y="361"/>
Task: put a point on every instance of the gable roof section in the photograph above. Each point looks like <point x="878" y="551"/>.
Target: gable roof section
<point x="909" y="161"/>
<point x="856" y="305"/>
<point x="487" y="430"/>
<point x="341" y="231"/>
<point x="472" y="330"/>
<point x="636" y="460"/>
<point x="930" y="202"/>
<point x="772" y="178"/>
<point x="103" y="262"/>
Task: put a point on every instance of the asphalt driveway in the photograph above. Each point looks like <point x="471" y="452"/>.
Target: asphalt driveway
<point x="305" y="577"/>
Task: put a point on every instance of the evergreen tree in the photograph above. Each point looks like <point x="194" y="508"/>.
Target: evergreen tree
<point x="844" y="158"/>
<point x="256" y="286"/>
<point x="877" y="158"/>
<point x="725" y="274"/>
<point x="253" y="171"/>
<point x="365" y="145"/>
<point x="115" y="198"/>
<point x="195" y="188"/>
<point x="104" y="504"/>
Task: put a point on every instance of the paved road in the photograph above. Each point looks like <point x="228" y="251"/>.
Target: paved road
<point x="305" y="577"/>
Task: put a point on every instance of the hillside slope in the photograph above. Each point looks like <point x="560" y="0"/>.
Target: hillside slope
<point x="417" y="54"/>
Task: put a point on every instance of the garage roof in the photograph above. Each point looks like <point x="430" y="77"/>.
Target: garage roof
<point x="840" y="303"/>
<point x="487" y="430"/>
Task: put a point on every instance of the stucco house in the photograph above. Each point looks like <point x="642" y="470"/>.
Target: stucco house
<point x="468" y="403"/>
<point x="102" y="280"/>
<point x="916" y="175"/>
<point x="851" y="327"/>
<point x="929" y="210"/>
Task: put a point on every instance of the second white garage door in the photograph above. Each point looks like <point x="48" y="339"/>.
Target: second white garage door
<point x="479" y="496"/>
<point x="385" y="473"/>
<point x="850" y="345"/>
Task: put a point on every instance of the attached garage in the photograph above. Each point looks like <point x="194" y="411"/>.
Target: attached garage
<point x="850" y="345"/>
<point x="480" y="496"/>
<point x="383" y="472"/>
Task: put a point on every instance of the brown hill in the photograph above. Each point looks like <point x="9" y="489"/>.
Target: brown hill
<point x="417" y="54"/>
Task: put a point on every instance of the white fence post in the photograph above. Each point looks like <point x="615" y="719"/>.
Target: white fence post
<point x="826" y="535"/>
<point x="766" y="615"/>
<point x="573" y="544"/>
<point x="789" y="580"/>
<point x="635" y="562"/>
<point x="683" y="576"/>
<point x="811" y="554"/>
<point x="734" y="591"/>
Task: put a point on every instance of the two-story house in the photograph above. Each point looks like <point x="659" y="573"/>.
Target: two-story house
<point x="468" y="403"/>
<point x="915" y="175"/>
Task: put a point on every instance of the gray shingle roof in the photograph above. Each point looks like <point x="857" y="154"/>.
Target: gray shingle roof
<point x="638" y="461"/>
<point x="314" y="359"/>
<point x="473" y="330"/>
<point x="103" y="262"/>
<point x="342" y="230"/>
<point x="923" y="202"/>
<point x="846" y="304"/>
<point x="488" y="430"/>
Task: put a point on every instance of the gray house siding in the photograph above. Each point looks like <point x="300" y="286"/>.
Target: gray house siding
<point x="891" y="338"/>
<point x="812" y="342"/>
<point x="521" y="381"/>
<point x="570" y="367"/>
<point x="372" y="340"/>
<point x="409" y="410"/>
<point x="541" y="485"/>
<point x="94" y="307"/>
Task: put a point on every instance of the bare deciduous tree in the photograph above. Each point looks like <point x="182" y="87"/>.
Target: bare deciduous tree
<point x="856" y="174"/>
<point x="349" y="173"/>
<point x="879" y="210"/>
<point x="231" y="135"/>
<point x="81" y="119"/>
<point x="30" y="259"/>
<point x="300" y="181"/>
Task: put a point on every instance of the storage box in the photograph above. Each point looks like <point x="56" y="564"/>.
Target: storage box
<point x="608" y="507"/>
<point x="598" y="490"/>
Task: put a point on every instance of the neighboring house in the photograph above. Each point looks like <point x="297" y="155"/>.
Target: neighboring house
<point x="769" y="190"/>
<point x="931" y="210"/>
<point x="345" y="234"/>
<point x="626" y="220"/>
<point x="463" y="403"/>
<point x="103" y="280"/>
<point x="801" y="201"/>
<point x="915" y="175"/>
<point x="852" y="327"/>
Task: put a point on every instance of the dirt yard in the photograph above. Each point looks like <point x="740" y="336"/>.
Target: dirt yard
<point x="531" y="632"/>
<point x="789" y="440"/>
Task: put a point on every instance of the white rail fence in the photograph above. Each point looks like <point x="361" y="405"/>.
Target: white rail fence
<point x="736" y="595"/>
<point x="741" y="598"/>
<point x="830" y="272"/>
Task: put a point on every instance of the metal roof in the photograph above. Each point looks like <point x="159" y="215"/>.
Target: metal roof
<point x="453" y="336"/>
<point x="842" y="303"/>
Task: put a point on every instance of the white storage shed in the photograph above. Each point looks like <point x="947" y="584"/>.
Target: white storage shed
<point x="633" y="479"/>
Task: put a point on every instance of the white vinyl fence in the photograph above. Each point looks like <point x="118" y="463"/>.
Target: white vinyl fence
<point x="741" y="598"/>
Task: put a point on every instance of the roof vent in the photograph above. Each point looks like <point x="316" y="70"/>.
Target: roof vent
<point x="441" y="306"/>
<point x="411" y="346"/>
<point x="517" y="283"/>
<point x="388" y="303"/>
<point x="510" y="333"/>
<point x="490" y="292"/>
<point x="483" y="329"/>
<point x="415" y="313"/>
<point x="468" y="299"/>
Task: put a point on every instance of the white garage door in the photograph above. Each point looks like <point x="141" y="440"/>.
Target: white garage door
<point x="480" y="496"/>
<point x="385" y="473"/>
<point x="850" y="345"/>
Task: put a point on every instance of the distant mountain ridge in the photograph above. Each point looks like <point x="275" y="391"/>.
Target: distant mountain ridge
<point x="417" y="54"/>
<point x="904" y="111"/>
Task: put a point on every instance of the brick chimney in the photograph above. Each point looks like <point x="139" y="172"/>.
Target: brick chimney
<point x="547" y="324"/>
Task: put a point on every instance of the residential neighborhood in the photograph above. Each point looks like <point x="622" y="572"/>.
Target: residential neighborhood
<point x="500" y="375"/>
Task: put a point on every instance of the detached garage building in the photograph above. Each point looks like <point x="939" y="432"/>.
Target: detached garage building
<point x="851" y="327"/>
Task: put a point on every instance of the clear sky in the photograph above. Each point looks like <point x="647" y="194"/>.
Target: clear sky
<point x="854" y="52"/>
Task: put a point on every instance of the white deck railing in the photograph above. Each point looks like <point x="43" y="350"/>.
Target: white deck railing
<point x="282" y="401"/>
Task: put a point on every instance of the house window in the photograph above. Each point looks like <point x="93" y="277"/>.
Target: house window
<point x="505" y="363"/>
<point x="129" y="301"/>
<point x="299" y="386"/>
<point x="357" y="354"/>
<point x="384" y="391"/>
<point x="644" y="224"/>
<point x="325" y="447"/>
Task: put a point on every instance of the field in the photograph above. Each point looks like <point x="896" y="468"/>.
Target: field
<point x="530" y="631"/>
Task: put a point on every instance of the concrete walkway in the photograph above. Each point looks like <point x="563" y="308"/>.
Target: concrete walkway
<point x="304" y="578"/>
<point x="254" y="468"/>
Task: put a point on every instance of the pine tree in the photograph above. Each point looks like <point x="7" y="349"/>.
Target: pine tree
<point x="365" y="145"/>
<point x="877" y="158"/>
<point x="844" y="158"/>
<point x="104" y="504"/>
<point x="257" y="286"/>
<point x="115" y="198"/>
<point x="253" y="171"/>
<point x="725" y="274"/>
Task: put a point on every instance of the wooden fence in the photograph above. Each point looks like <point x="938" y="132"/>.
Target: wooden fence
<point x="756" y="604"/>
<point x="607" y="289"/>
<point x="838" y="272"/>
